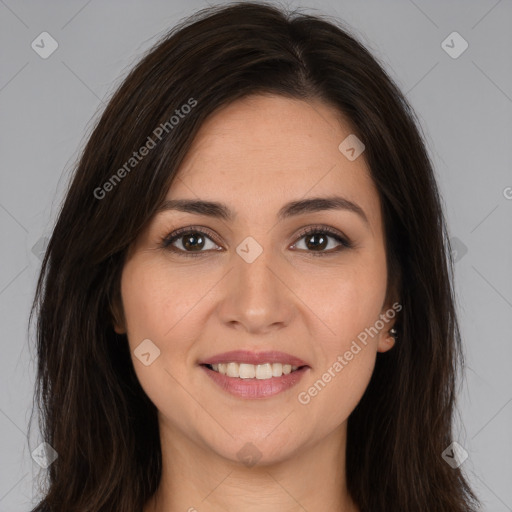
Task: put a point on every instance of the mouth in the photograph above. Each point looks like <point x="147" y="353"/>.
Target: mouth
<point x="252" y="375"/>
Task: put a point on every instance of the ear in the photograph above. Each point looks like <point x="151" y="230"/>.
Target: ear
<point x="388" y="317"/>
<point x="118" y="320"/>
<point x="119" y="329"/>
<point x="386" y="339"/>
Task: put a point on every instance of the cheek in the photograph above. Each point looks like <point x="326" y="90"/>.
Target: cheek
<point x="142" y="294"/>
<point x="351" y="302"/>
<point x="333" y="395"/>
<point x="153" y="311"/>
<point x="152" y="304"/>
<point x="340" y="380"/>
<point x="165" y="307"/>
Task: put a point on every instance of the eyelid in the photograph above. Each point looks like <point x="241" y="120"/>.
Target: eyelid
<point x="187" y="229"/>
<point x="333" y="232"/>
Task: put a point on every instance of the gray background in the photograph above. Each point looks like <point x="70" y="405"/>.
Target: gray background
<point x="465" y="108"/>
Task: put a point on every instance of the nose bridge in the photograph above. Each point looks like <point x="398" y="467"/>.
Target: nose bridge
<point x="253" y="266"/>
<point x="255" y="296"/>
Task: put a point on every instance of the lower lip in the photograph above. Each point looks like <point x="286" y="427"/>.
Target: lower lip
<point x="255" y="388"/>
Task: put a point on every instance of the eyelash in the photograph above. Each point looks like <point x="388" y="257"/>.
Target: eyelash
<point x="166" y="242"/>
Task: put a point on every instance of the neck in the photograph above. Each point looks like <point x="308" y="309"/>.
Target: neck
<point x="195" y="479"/>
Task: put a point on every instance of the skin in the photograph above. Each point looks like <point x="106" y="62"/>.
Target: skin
<point x="256" y="155"/>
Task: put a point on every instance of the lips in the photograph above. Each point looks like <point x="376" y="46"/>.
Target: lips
<point x="254" y="375"/>
<point x="255" y="358"/>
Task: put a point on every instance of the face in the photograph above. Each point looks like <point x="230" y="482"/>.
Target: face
<point x="280" y="286"/>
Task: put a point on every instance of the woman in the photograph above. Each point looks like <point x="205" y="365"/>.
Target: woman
<point x="246" y="302"/>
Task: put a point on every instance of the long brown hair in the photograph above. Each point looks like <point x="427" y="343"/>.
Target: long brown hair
<point x="92" y="409"/>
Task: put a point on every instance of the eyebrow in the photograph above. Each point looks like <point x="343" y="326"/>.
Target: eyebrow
<point x="291" y="209"/>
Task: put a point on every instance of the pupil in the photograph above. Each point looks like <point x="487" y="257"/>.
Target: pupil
<point x="191" y="239"/>
<point x="321" y="244"/>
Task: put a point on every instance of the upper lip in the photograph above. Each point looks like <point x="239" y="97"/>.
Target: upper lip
<point x="248" y="357"/>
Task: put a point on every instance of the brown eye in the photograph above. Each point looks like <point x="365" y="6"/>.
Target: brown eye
<point x="188" y="241"/>
<point x="192" y="241"/>
<point x="317" y="240"/>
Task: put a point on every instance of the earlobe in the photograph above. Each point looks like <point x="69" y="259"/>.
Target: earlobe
<point x="118" y="325"/>
<point x="118" y="329"/>
<point x="117" y="319"/>
<point x="389" y="333"/>
<point x="387" y="343"/>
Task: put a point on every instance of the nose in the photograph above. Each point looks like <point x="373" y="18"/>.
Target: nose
<point x="256" y="297"/>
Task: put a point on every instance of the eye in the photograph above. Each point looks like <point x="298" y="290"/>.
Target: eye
<point x="192" y="240"/>
<point x="317" y="239"/>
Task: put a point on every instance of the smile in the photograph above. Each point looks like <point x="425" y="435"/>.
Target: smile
<point x="263" y="371"/>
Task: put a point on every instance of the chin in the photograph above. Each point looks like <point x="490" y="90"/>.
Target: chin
<point x="262" y="450"/>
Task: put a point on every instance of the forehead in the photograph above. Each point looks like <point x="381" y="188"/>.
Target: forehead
<point x="262" y="151"/>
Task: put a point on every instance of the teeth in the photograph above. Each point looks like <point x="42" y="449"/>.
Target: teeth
<point x="251" y="371"/>
<point x="245" y="371"/>
<point x="277" y="370"/>
<point x="232" y="370"/>
<point x="264" y="371"/>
